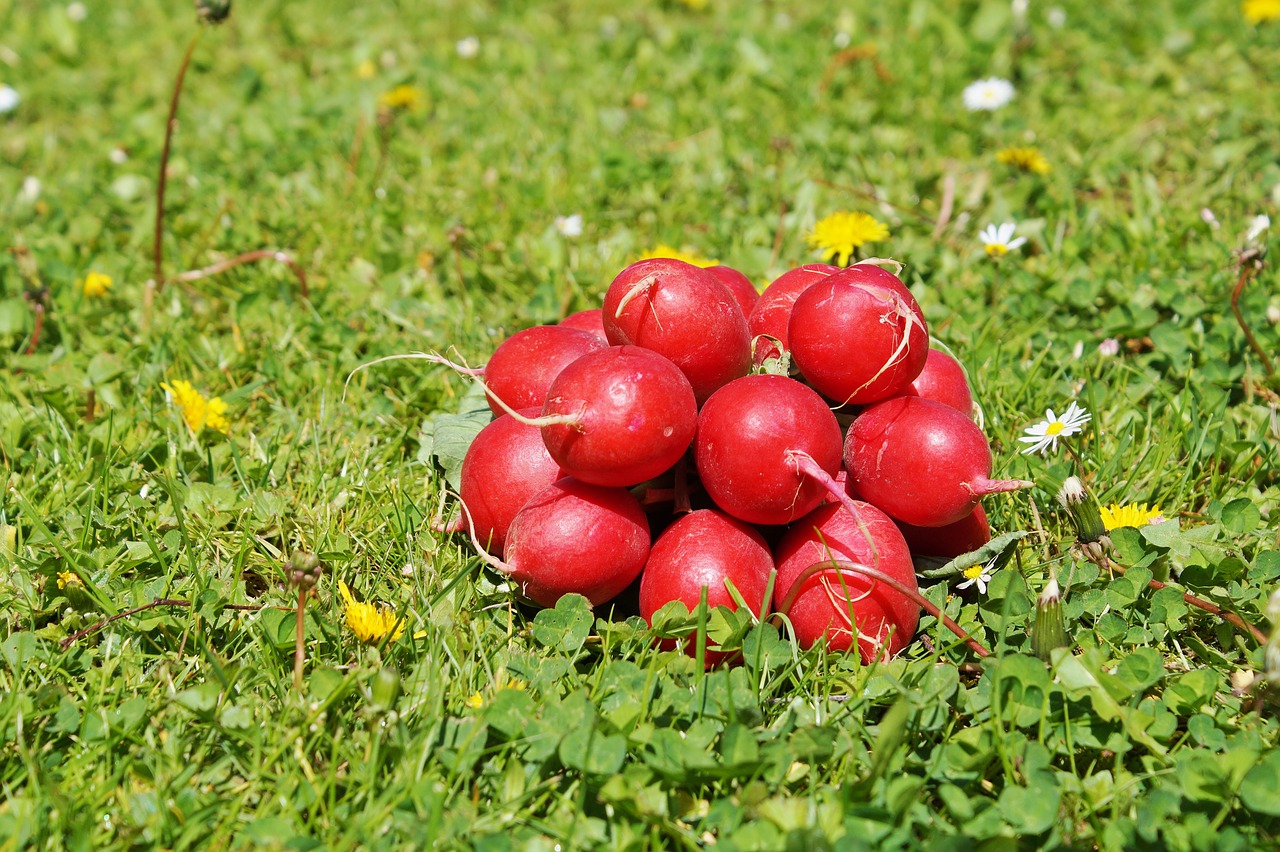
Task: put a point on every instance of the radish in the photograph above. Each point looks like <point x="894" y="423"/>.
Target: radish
<point x="576" y="537"/>
<point x="618" y="416"/>
<point x="835" y="605"/>
<point x="700" y="551"/>
<point x="965" y="535"/>
<point x="771" y="315"/>
<point x="683" y="312"/>
<point x="920" y="461"/>
<point x="856" y="337"/>
<point x="506" y="464"/>
<point x="591" y="320"/>
<point x="943" y="380"/>
<point x="759" y="439"/>
<point x="526" y="363"/>
<point x="744" y="292"/>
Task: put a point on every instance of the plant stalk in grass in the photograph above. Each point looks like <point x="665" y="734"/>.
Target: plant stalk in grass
<point x="1249" y="263"/>
<point x="158" y="602"/>
<point x="1211" y="608"/>
<point x="157" y="283"/>
<point x="299" y="647"/>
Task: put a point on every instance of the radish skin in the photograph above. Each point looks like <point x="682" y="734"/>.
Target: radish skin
<point x="920" y="461"/>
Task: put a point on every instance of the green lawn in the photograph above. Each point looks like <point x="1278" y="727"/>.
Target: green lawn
<point x="427" y="221"/>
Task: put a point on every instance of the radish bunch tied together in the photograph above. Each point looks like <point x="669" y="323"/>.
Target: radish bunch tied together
<point x="661" y="441"/>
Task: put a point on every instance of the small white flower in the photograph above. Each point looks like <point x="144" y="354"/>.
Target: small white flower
<point x="1206" y="216"/>
<point x="976" y="575"/>
<point x="1057" y="17"/>
<point x="1273" y="314"/>
<point x="9" y="98"/>
<point x="30" y="189"/>
<point x="841" y="41"/>
<point x="998" y="240"/>
<point x="77" y="11"/>
<point x="989" y="94"/>
<point x="1045" y="434"/>
<point x="468" y="48"/>
<point x="118" y="155"/>
<point x="569" y="226"/>
<point x="1109" y="347"/>
<point x="1257" y="225"/>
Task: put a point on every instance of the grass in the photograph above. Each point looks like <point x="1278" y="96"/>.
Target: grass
<point x="728" y="131"/>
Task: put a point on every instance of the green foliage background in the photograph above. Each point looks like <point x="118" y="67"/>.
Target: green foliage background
<point x="725" y="130"/>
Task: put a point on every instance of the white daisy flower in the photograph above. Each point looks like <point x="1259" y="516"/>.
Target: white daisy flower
<point x="9" y="98"/>
<point x="30" y="189"/>
<point x="998" y="240"/>
<point x="468" y="48"/>
<point x="569" y="226"/>
<point x="987" y="95"/>
<point x="1045" y="434"/>
<point x="1257" y="226"/>
<point x="976" y="575"/>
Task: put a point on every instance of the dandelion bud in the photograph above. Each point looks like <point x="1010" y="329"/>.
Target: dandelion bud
<point x="1049" y="631"/>
<point x="1083" y="511"/>
<point x="213" y="11"/>
<point x="304" y="569"/>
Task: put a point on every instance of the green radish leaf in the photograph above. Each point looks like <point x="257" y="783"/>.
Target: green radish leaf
<point x="449" y="436"/>
<point x="995" y="554"/>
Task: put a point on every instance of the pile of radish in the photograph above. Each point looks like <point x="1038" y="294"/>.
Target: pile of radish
<point x="713" y="443"/>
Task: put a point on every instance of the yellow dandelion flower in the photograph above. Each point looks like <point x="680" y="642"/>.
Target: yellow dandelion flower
<point x="68" y="578"/>
<point x="475" y="701"/>
<point x="839" y="235"/>
<point x="95" y="284"/>
<point x="1258" y="11"/>
<point x="1129" y="515"/>
<point x="405" y="97"/>
<point x="366" y="70"/>
<point x="664" y="250"/>
<point x="197" y="411"/>
<point x="1025" y="157"/>
<point x="370" y="623"/>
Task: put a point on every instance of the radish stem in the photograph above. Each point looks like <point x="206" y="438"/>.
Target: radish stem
<point x="842" y="567"/>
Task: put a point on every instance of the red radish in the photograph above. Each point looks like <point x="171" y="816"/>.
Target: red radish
<point x="591" y="320"/>
<point x="771" y="315"/>
<point x="576" y="537"/>
<point x="964" y="536"/>
<point x="526" y="363"/>
<point x="744" y="292"/>
<point x="619" y="416"/>
<point x="702" y="550"/>
<point x="751" y="434"/>
<point x="506" y="464"/>
<point x="834" y="604"/>
<point x="856" y="338"/>
<point x="684" y="313"/>
<point x="943" y="380"/>
<point x="920" y="461"/>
